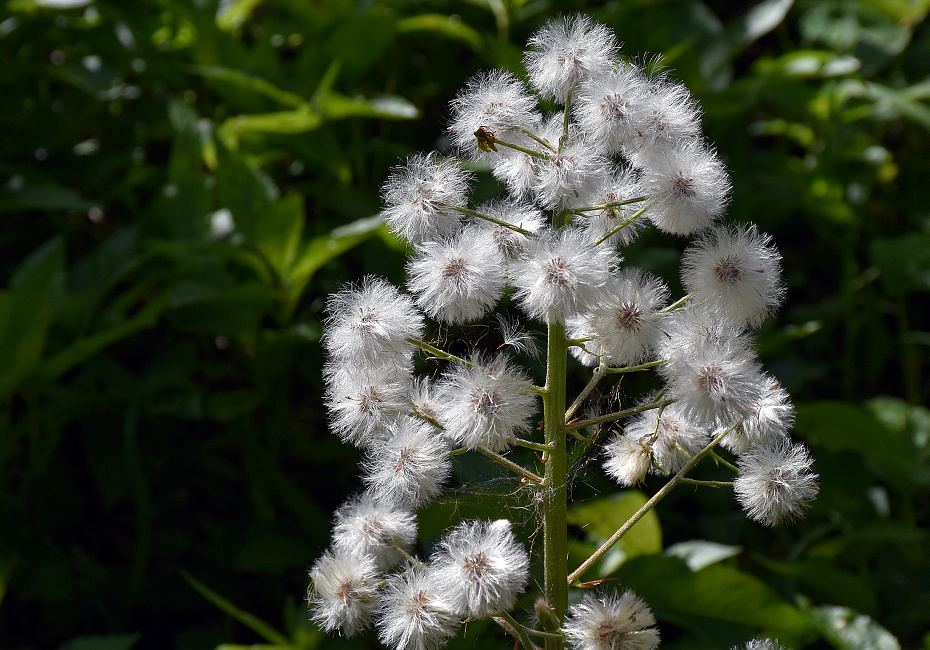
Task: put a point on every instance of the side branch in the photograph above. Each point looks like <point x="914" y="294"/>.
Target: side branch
<point x="487" y="217"/>
<point x="438" y="353"/>
<point x="616" y="415"/>
<point x="509" y="464"/>
<point x="649" y="505"/>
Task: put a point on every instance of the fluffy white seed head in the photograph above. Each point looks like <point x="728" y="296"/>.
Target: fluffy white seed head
<point x="413" y="613"/>
<point x="486" y="404"/>
<point x="664" y="116"/>
<point x="627" y="461"/>
<point x="481" y="567"/>
<point x="775" y="485"/>
<point x="610" y="621"/>
<point x="408" y="469"/>
<point x="365" y="527"/>
<point x="673" y="438"/>
<point x="494" y="100"/>
<point x="736" y="271"/>
<point x="459" y="280"/>
<point x="509" y="243"/>
<point x="342" y="592"/>
<point x="627" y="327"/>
<point x="563" y="275"/>
<point x="571" y="177"/>
<point x="520" y="170"/>
<point x="362" y="401"/>
<point x="767" y="425"/>
<point x="718" y="384"/>
<point x="369" y="323"/>
<point x="417" y="196"/>
<point x="615" y="188"/>
<point x="567" y="51"/>
<point x="687" y="188"/>
<point x="605" y="106"/>
<point x="760" y="644"/>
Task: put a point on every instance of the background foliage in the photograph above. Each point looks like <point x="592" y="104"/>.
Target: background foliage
<point x="182" y="183"/>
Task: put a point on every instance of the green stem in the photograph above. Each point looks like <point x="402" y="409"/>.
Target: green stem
<point x="566" y="119"/>
<point x="642" y="366"/>
<point x="678" y="303"/>
<point x="716" y="484"/>
<point x="529" y="444"/>
<point x="541" y="141"/>
<point x="649" y="505"/>
<point x="555" y="502"/>
<point x="583" y="395"/>
<point x="724" y="461"/>
<point x="514" y="628"/>
<point x="509" y="464"/>
<point x="438" y="353"/>
<point x="607" y="206"/>
<point x="616" y="415"/>
<point x="528" y="152"/>
<point x="487" y="217"/>
<point x="623" y="224"/>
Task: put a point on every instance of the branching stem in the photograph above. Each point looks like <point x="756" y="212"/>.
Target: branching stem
<point x="509" y="464"/>
<point x="649" y="505"/>
<point x="623" y="224"/>
<point x="616" y="415"/>
<point x="487" y="217"/>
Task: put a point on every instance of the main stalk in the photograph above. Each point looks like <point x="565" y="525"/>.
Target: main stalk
<point x="555" y="528"/>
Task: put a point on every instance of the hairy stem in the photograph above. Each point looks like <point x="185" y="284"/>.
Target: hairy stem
<point x="649" y="505"/>
<point x="607" y="206"/>
<point x="487" y="217"/>
<point x="509" y="464"/>
<point x="623" y="224"/>
<point x="438" y="353"/>
<point x="616" y="415"/>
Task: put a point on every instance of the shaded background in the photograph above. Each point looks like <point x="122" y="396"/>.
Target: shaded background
<point x="182" y="184"/>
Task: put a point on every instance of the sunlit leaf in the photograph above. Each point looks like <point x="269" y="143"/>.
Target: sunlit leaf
<point x="847" y="629"/>
<point x="449" y="26"/>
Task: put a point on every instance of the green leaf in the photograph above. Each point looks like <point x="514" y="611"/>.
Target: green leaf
<point x="231" y="15"/>
<point x="46" y="198"/>
<point x="320" y="250"/>
<point x="601" y="518"/>
<point x="717" y="592"/>
<point x="335" y="106"/>
<point x="277" y="233"/>
<point x="904" y="262"/>
<point x="84" y="348"/>
<point x="700" y="553"/>
<point x="101" y="642"/>
<point x="251" y="621"/>
<point x="449" y="26"/>
<point x="839" y="426"/>
<point x="300" y="120"/>
<point x="821" y="579"/>
<point x="250" y="82"/>
<point x="26" y="311"/>
<point x="846" y="629"/>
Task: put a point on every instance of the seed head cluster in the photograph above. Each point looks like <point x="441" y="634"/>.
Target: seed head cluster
<point x="624" y="152"/>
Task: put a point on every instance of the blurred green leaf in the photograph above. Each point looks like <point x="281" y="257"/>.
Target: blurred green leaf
<point x="103" y="642"/>
<point x="251" y="83"/>
<point x="904" y="263"/>
<point x="251" y="621"/>
<point x="846" y="629"/>
<point x="821" y="579"/>
<point x="449" y="26"/>
<point x="231" y="14"/>
<point x="601" y="518"/>
<point x="700" y="553"/>
<point x="26" y="311"/>
<point x="717" y="592"/>
<point x="43" y="197"/>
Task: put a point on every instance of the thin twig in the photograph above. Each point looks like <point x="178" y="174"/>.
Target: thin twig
<point x="510" y="625"/>
<point x="649" y="505"/>
<point x="528" y="152"/>
<point x="509" y="464"/>
<point x="678" y="303"/>
<point x="529" y="444"/>
<point x="624" y="224"/>
<point x="438" y="353"/>
<point x="487" y="217"/>
<point x="583" y="395"/>
<point x="616" y="415"/>
<point x="607" y="206"/>
<point x="541" y="141"/>
<point x="724" y="461"/>
<point x="642" y="366"/>
<point x="715" y="484"/>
